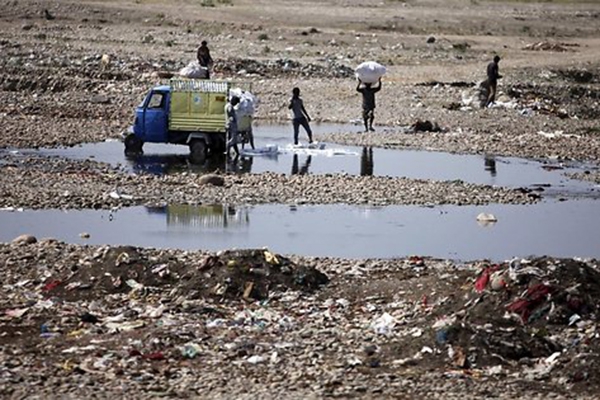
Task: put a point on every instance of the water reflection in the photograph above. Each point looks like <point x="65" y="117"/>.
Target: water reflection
<point x="444" y="231"/>
<point x="303" y="170"/>
<point x="414" y="164"/>
<point x="239" y="164"/>
<point x="489" y="164"/>
<point x="366" y="161"/>
<point x="164" y="164"/>
<point x="203" y="216"/>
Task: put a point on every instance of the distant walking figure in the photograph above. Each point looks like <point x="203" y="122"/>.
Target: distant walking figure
<point x="368" y="102"/>
<point x="301" y="117"/>
<point x="492" y="77"/>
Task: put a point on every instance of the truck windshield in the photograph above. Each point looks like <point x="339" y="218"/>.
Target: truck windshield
<point x="156" y="101"/>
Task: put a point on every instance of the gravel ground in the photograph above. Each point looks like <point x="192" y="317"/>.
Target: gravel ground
<point x="83" y="321"/>
<point x="58" y="183"/>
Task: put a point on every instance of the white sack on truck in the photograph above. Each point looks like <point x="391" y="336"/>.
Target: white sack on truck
<point x="194" y="71"/>
<point x="369" y="71"/>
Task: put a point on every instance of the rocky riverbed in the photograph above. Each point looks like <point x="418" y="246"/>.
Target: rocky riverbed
<point x="88" y="321"/>
<point x="42" y="183"/>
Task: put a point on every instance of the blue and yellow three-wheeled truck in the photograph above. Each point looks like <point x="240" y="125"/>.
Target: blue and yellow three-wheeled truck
<point x="188" y="112"/>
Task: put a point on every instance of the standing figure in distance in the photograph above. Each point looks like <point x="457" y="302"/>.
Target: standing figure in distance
<point x="204" y="58"/>
<point x="231" y="126"/>
<point x="368" y="102"/>
<point x="492" y="77"/>
<point x="301" y="117"/>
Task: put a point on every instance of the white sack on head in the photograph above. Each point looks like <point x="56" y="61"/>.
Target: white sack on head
<point x="369" y="71"/>
<point x="194" y="71"/>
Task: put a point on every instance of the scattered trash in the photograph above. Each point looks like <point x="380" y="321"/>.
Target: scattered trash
<point x="557" y="134"/>
<point x="548" y="46"/>
<point x="190" y="350"/>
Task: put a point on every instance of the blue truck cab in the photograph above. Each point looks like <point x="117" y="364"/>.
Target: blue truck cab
<point x="187" y="112"/>
<point x="151" y="116"/>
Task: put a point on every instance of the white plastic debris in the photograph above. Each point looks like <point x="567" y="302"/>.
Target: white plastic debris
<point x="384" y="324"/>
<point x="255" y="359"/>
<point x="486" y="217"/>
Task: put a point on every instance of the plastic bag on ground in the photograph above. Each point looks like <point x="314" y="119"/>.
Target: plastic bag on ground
<point x="194" y="71"/>
<point x="370" y="71"/>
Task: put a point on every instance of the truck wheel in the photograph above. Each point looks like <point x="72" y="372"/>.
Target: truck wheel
<point x="133" y="145"/>
<point x="198" y="151"/>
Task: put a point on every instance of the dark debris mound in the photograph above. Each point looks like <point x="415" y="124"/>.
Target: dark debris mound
<point x="247" y="274"/>
<point x="283" y="67"/>
<point x="252" y="274"/>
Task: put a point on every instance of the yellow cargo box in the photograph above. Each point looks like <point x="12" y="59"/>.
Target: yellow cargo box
<point x="199" y="105"/>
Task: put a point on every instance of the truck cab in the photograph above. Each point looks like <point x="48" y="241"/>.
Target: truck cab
<point x="187" y="112"/>
<point x="151" y="116"/>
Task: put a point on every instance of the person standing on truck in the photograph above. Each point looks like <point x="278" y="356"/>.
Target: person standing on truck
<point x="301" y="117"/>
<point x="368" y="102"/>
<point x="204" y="58"/>
<point x="231" y="125"/>
<point x="492" y="78"/>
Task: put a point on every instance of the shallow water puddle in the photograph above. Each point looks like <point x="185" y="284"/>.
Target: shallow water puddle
<point x="561" y="229"/>
<point x="500" y="171"/>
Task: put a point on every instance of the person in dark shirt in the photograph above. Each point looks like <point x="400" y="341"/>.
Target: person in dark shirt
<point x="368" y="102"/>
<point x="301" y="117"/>
<point x="204" y="58"/>
<point x="492" y="76"/>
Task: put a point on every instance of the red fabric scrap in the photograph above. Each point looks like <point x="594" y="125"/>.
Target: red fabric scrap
<point x="156" y="356"/>
<point x="51" y="285"/>
<point x="534" y="297"/>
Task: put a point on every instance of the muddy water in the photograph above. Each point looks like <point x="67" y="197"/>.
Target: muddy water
<point x="561" y="229"/>
<point x="500" y="171"/>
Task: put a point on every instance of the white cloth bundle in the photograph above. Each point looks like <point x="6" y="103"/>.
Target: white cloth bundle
<point x="247" y="104"/>
<point x="194" y="71"/>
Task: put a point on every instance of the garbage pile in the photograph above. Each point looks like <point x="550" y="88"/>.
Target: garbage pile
<point x="152" y="321"/>
<point x="534" y="319"/>
<point x="248" y="274"/>
<point x="285" y="67"/>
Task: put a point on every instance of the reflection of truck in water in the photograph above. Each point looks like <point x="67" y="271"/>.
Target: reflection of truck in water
<point x="188" y="112"/>
<point x="204" y="216"/>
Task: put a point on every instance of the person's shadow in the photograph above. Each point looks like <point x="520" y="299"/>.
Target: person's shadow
<point x="366" y="161"/>
<point x="302" y="170"/>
